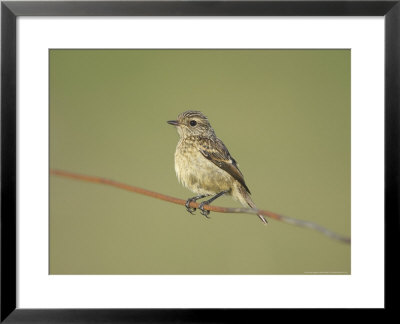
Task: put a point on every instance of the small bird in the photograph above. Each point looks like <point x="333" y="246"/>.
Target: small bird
<point x="204" y="165"/>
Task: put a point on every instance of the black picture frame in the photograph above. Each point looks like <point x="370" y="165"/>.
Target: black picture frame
<point x="10" y="10"/>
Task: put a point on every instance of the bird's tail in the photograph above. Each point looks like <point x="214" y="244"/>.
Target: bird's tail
<point x="250" y="202"/>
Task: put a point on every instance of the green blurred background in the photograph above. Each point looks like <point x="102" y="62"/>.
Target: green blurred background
<point x="283" y="114"/>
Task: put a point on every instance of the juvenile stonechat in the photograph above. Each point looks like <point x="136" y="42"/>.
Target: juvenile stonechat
<point x="203" y="163"/>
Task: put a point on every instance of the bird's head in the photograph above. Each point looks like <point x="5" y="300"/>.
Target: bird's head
<point x="192" y="123"/>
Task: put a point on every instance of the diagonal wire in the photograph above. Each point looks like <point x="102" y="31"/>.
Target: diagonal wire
<point x="278" y="217"/>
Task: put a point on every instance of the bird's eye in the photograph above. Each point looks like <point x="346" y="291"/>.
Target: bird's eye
<point x="193" y="123"/>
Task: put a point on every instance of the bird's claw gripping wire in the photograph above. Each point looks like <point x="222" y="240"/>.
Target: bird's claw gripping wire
<point x="188" y="208"/>
<point x="193" y="199"/>
<point x="203" y="211"/>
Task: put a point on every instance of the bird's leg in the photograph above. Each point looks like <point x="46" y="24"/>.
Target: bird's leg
<point x="209" y="201"/>
<point x="193" y="199"/>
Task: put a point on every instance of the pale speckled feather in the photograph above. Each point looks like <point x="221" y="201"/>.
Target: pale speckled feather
<point x="216" y="152"/>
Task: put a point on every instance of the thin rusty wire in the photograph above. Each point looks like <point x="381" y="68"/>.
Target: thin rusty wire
<point x="218" y="209"/>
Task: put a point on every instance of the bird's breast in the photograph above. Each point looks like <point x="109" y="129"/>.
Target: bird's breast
<point x="197" y="173"/>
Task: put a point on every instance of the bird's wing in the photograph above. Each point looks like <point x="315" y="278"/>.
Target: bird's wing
<point x="217" y="153"/>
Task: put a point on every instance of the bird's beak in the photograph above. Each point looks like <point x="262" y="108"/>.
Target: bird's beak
<point x="173" y="122"/>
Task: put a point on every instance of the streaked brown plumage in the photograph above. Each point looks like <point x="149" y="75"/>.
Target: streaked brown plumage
<point x="204" y="165"/>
